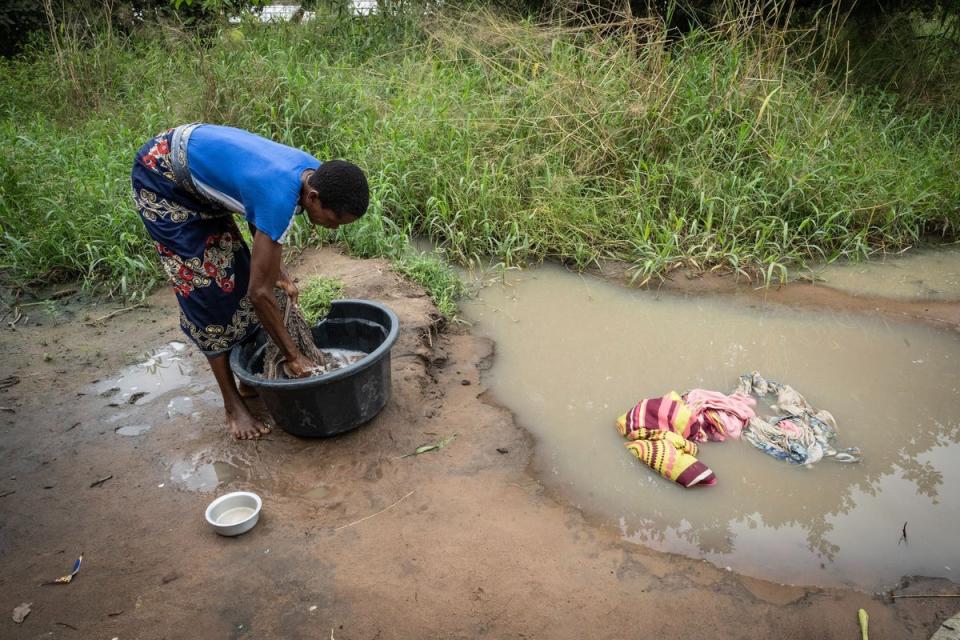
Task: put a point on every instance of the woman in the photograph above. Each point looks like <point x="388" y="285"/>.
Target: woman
<point x="187" y="184"/>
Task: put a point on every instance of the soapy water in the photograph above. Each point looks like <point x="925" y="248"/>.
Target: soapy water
<point x="235" y="515"/>
<point x="335" y="359"/>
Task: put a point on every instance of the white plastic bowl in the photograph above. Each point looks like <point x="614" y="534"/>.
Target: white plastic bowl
<point x="234" y="513"/>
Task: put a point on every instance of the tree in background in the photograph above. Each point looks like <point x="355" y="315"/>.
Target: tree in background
<point x="22" y="19"/>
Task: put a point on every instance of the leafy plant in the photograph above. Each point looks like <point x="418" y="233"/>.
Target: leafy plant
<point x="317" y="296"/>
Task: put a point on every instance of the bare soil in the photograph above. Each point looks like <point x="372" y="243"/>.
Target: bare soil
<point x="355" y="541"/>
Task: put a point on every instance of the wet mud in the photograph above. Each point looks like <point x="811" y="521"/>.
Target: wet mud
<point x="357" y="539"/>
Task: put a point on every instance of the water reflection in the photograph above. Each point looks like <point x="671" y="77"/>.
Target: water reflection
<point x="572" y="353"/>
<point x="163" y="370"/>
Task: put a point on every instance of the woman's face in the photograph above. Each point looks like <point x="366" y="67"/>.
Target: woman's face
<point x="321" y="215"/>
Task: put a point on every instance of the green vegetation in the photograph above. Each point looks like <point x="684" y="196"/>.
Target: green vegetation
<point x="494" y="137"/>
<point x="316" y="297"/>
<point x="437" y="277"/>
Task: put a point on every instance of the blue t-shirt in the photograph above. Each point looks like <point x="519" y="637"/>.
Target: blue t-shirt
<point x="250" y="175"/>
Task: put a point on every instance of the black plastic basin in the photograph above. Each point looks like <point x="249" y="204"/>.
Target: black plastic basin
<point x="340" y="400"/>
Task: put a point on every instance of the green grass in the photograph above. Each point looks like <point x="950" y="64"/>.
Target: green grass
<point x="317" y="295"/>
<point x="444" y="285"/>
<point x="495" y="138"/>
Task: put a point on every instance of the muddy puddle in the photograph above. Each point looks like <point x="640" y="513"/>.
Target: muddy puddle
<point x="133" y="430"/>
<point x="161" y="371"/>
<point x="205" y="476"/>
<point x="573" y="353"/>
<point x="920" y="274"/>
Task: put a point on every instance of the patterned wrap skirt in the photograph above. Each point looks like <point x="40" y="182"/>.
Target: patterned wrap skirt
<point x="200" y="247"/>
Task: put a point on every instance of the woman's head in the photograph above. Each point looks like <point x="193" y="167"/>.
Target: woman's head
<point x="336" y="193"/>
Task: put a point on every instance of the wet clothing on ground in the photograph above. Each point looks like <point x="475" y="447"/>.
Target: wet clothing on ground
<point x="662" y="432"/>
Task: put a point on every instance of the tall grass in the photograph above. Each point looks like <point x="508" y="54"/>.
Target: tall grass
<point x="494" y="137"/>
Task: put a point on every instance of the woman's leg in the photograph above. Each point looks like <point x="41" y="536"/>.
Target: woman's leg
<point x="240" y="422"/>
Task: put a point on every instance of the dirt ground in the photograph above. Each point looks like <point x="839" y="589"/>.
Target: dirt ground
<point x="355" y="541"/>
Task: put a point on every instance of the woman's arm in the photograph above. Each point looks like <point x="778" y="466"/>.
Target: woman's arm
<point x="265" y="265"/>
<point x="284" y="281"/>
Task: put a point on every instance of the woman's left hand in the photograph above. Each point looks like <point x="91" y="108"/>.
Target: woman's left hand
<point x="286" y="283"/>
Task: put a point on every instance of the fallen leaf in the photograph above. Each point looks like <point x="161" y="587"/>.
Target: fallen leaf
<point x="434" y="446"/>
<point x="21" y="612"/>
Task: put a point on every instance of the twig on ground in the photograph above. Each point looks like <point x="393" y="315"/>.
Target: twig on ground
<point x="8" y="409"/>
<point x="377" y="513"/>
<point x="72" y="427"/>
<point x="99" y="482"/>
<point x="113" y="314"/>
<point x="435" y="446"/>
<point x="54" y="296"/>
<point x="928" y="595"/>
<point x="7" y="493"/>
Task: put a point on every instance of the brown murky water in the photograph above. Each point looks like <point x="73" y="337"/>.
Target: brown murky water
<point x="924" y="274"/>
<point x="573" y="353"/>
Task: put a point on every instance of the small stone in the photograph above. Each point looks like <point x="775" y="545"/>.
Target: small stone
<point x="465" y="382"/>
<point x="21" y="612"/>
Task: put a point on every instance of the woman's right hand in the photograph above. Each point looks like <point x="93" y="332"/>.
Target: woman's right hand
<point x="299" y="367"/>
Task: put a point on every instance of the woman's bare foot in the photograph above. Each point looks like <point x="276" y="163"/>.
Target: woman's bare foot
<point x="244" y="426"/>
<point x="245" y="390"/>
<point x="240" y="422"/>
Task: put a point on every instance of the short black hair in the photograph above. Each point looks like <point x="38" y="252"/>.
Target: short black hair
<point x="342" y="187"/>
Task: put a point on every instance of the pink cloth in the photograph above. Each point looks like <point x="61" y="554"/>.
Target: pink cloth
<point x="790" y="429"/>
<point x="719" y="415"/>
